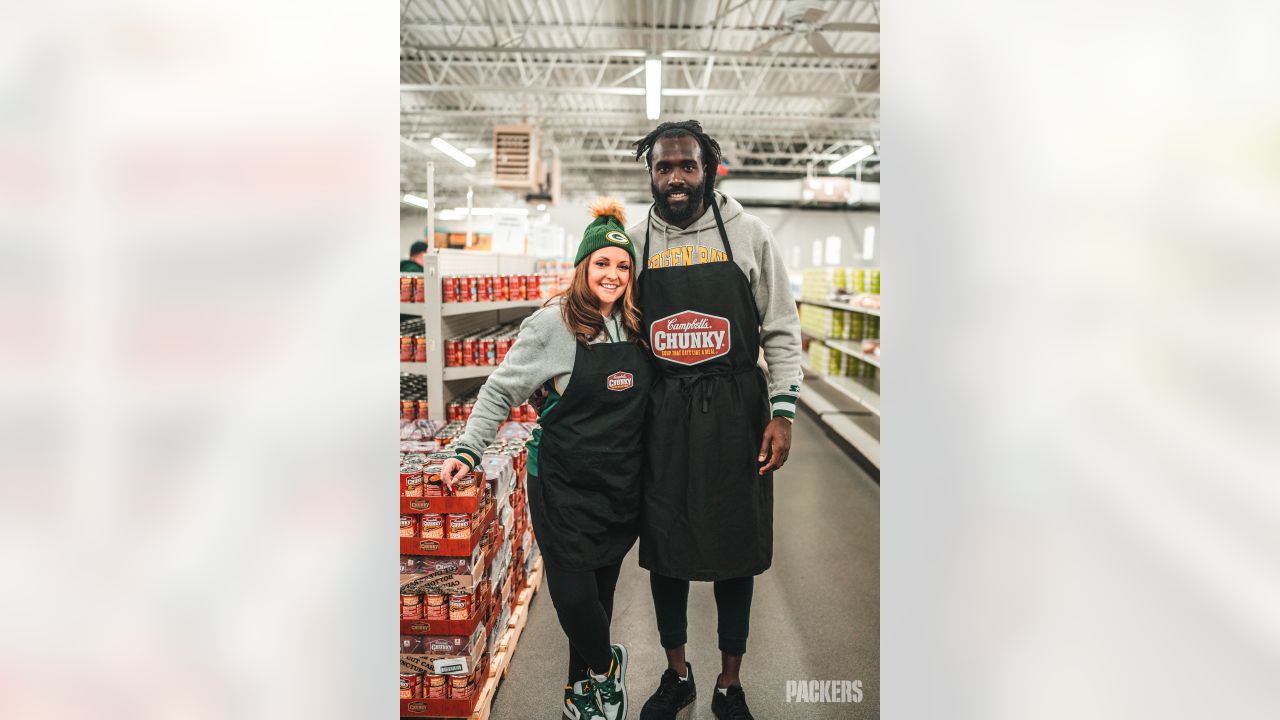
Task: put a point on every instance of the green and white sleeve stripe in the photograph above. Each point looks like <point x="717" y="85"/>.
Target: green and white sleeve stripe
<point x="783" y="406"/>
<point x="469" y="457"/>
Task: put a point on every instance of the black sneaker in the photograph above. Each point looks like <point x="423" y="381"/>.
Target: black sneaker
<point x="731" y="706"/>
<point x="672" y="695"/>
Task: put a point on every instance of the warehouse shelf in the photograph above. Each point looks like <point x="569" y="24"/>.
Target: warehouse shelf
<point x="417" y="368"/>
<point x="856" y="389"/>
<point x="467" y="308"/>
<point x="466" y="372"/>
<point x="851" y="348"/>
<point x="847" y="409"/>
<point x="841" y="306"/>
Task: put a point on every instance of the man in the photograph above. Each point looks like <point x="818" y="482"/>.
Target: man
<point x="417" y="256"/>
<point x="713" y="291"/>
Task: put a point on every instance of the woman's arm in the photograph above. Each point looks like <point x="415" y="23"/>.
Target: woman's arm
<point x="526" y="367"/>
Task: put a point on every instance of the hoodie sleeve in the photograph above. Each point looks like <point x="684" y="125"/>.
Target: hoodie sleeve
<point x="779" y="326"/>
<point x="526" y="366"/>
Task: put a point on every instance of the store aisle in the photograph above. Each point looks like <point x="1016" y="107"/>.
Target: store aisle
<point x="815" y="614"/>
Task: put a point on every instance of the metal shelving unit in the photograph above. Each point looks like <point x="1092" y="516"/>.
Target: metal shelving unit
<point x="849" y="348"/>
<point x="857" y="389"/>
<point x="842" y="306"/>
<point x="448" y="320"/>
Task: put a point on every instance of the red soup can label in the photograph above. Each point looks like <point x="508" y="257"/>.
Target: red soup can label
<point x="460" y="527"/>
<point x="411" y="480"/>
<point x="437" y="609"/>
<point x="408" y="686"/>
<point x="410" y="606"/>
<point x="459" y="607"/>
<point x="437" y="687"/>
<point x="408" y="526"/>
<point x="433" y="526"/>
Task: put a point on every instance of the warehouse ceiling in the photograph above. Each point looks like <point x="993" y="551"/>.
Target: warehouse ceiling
<point x="781" y="85"/>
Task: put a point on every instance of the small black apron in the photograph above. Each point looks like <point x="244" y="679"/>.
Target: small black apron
<point x="585" y="501"/>
<point x="708" y="513"/>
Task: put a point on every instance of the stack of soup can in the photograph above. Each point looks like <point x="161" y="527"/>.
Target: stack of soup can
<point x="417" y="685"/>
<point x="482" y="347"/>
<point x="413" y="288"/>
<point x="491" y="288"/>
<point x="413" y="397"/>
<point x="413" y="340"/>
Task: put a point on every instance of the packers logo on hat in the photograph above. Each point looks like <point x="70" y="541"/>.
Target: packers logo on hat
<point x="608" y="228"/>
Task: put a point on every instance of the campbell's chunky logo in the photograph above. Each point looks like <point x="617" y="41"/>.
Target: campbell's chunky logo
<point x="429" y="545"/>
<point x="620" y="381"/>
<point x="417" y="707"/>
<point x="420" y="627"/>
<point x="420" y="504"/>
<point x="689" y="337"/>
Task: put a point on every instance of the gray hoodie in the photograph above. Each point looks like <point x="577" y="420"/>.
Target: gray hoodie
<point x="755" y="252"/>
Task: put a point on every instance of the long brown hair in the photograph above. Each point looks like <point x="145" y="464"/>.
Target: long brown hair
<point x="580" y="307"/>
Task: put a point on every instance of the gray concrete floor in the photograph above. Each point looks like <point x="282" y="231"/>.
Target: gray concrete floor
<point x="815" y="614"/>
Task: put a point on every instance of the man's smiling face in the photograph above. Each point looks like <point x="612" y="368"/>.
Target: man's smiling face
<point x="677" y="176"/>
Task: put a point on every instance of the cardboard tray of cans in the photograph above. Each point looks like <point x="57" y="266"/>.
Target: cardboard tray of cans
<point x="450" y="547"/>
<point x="441" y="505"/>
<point x="481" y="600"/>
<point x="448" y="707"/>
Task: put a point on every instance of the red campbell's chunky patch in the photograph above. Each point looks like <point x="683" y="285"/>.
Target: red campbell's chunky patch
<point x="620" y="381"/>
<point x="689" y="337"/>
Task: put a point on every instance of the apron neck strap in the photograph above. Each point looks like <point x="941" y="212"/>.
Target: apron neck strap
<point x="715" y="210"/>
<point x="724" y="236"/>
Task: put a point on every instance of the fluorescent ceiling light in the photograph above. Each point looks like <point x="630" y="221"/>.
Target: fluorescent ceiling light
<point x="847" y="161"/>
<point x="493" y="211"/>
<point x="652" y="88"/>
<point x="453" y="152"/>
<point x="542" y="206"/>
<point x="415" y="200"/>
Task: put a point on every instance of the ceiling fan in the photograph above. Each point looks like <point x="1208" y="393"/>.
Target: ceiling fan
<point x="803" y="17"/>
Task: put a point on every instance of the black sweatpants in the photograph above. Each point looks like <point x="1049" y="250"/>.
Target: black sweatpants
<point x="733" y="610"/>
<point x="584" y="604"/>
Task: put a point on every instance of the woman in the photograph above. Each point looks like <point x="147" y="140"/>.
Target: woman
<point x="585" y="348"/>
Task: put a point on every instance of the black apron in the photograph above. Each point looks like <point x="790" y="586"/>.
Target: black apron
<point x="585" y="500"/>
<point x="708" y="513"/>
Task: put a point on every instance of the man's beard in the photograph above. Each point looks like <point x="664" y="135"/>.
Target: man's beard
<point x="681" y="213"/>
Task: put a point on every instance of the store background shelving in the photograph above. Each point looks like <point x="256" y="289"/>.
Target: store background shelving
<point x="446" y="320"/>
<point x="847" y="404"/>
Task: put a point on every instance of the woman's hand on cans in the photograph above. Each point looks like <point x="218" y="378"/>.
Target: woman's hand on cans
<point x="452" y="470"/>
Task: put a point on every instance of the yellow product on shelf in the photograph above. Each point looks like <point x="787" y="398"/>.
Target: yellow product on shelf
<point x="853" y="326"/>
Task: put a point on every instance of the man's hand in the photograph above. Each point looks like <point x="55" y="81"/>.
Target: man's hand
<point x="777" y="444"/>
<point x="451" y="471"/>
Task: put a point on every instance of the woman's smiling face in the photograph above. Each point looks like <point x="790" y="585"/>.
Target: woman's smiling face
<point x="608" y="274"/>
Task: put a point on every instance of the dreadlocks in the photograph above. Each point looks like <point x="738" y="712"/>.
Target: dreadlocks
<point x="690" y="128"/>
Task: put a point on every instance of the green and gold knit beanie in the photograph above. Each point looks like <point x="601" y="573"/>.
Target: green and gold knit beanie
<point x="607" y="230"/>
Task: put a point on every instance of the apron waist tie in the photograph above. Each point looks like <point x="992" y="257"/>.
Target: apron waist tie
<point x="698" y="384"/>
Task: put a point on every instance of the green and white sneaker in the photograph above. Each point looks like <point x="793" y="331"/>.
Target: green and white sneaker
<point x="581" y="702"/>
<point x="612" y="689"/>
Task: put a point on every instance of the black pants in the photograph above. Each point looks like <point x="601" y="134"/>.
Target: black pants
<point x="733" y="610"/>
<point x="584" y="604"/>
